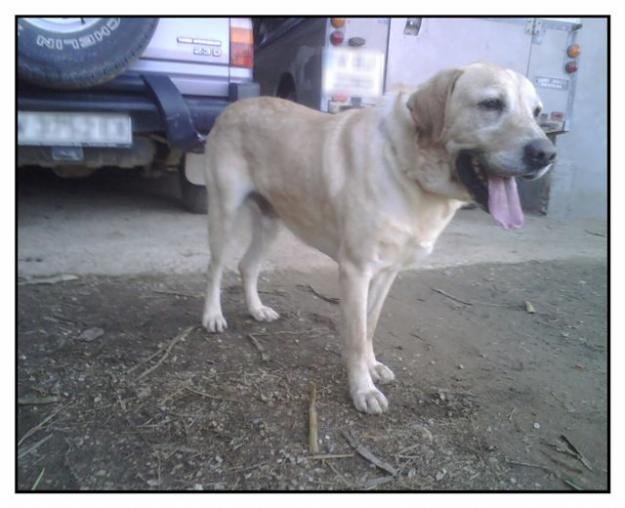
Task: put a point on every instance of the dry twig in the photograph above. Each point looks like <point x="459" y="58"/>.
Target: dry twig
<point x="34" y="447"/>
<point x="559" y="476"/>
<point x="330" y="456"/>
<point x="465" y="302"/>
<point x="174" y="293"/>
<point x="365" y="453"/>
<point x="33" y="401"/>
<point x="181" y="336"/>
<point x="576" y="453"/>
<point x="451" y="297"/>
<point x="39" y="426"/>
<point x="38" y="480"/>
<point x="313" y="431"/>
<point x="264" y="356"/>
<point x="208" y="395"/>
<point x="329" y="299"/>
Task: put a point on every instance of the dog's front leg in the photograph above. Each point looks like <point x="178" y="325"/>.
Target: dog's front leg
<point x="354" y="283"/>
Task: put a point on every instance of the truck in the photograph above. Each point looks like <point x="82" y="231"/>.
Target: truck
<point x="334" y="64"/>
<point x="128" y="92"/>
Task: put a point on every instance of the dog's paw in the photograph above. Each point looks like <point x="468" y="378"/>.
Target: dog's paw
<point x="264" y="313"/>
<point x="380" y="373"/>
<point x="214" y="323"/>
<point x="372" y="401"/>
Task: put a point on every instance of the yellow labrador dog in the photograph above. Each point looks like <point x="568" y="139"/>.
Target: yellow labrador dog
<point x="371" y="188"/>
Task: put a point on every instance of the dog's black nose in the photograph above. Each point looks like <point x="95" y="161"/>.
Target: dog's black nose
<point x="539" y="153"/>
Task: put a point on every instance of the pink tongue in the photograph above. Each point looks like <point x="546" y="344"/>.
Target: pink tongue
<point x="503" y="201"/>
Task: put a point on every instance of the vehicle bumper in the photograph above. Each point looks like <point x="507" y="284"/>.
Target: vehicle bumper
<point x="153" y="103"/>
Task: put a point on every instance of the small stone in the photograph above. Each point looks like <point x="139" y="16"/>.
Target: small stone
<point x="440" y="475"/>
<point x="91" y="334"/>
<point x="536" y="425"/>
<point x="198" y="486"/>
<point x="460" y="366"/>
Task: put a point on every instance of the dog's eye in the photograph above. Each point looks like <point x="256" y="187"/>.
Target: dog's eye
<point x="537" y="111"/>
<point x="492" y="104"/>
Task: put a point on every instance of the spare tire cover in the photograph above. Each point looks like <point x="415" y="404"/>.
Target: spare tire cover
<point x="79" y="52"/>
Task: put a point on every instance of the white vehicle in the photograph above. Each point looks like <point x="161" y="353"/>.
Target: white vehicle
<point x="128" y="92"/>
<point x="333" y="64"/>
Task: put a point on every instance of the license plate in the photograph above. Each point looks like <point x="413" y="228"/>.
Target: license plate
<point x="73" y="129"/>
<point x="353" y="72"/>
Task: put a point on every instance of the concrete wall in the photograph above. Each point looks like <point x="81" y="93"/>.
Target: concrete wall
<point x="579" y="181"/>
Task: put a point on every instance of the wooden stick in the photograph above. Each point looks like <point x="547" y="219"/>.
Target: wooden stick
<point x="174" y="293"/>
<point x="208" y="395"/>
<point x="451" y="297"/>
<point x="559" y="476"/>
<point x="330" y="456"/>
<point x="36" y="484"/>
<point x="39" y="426"/>
<point x="34" y="447"/>
<point x="313" y="430"/>
<point x="576" y="452"/>
<point x="465" y="302"/>
<point x="174" y="341"/>
<point x="366" y="454"/>
<point x="33" y="401"/>
<point x="264" y="356"/>
<point x="329" y="299"/>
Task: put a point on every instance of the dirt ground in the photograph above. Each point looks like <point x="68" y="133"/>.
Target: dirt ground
<point x="489" y="395"/>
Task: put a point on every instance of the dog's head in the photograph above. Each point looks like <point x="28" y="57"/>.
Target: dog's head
<point x="484" y="118"/>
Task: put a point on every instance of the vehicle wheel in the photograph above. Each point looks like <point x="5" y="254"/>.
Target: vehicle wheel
<point x="194" y="197"/>
<point x="79" y="52"/>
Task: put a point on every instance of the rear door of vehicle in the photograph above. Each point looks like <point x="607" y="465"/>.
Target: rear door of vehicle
<point x="547" y="70"/>
<point x="420" y="47"/>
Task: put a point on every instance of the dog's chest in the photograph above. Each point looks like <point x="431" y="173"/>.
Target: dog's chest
<point x="403" y="246"/>
<point x="403" y="240"/>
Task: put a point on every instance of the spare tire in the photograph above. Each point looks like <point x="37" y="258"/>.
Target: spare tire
<point x="79" y="52"/>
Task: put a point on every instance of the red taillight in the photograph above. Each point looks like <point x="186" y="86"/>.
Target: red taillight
<point x="241" y="43"/>
<point x="571" y="67"/>
<point x="336" y="37"/>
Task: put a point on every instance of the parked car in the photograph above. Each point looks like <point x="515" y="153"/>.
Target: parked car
<point x="334" y="64"/>
<point x="128" y="92"/>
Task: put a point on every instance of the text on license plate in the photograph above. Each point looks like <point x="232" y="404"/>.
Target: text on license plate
<point x="73" y="129"/>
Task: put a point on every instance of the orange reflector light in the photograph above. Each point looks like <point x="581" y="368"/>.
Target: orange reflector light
<point x="337" y="22"/>
<point x="241" y="43"/>
<point x="574" y="50"/>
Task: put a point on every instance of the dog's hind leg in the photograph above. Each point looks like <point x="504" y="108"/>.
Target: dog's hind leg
<point x="265" y="227"/>
<point x="223" y="208"/>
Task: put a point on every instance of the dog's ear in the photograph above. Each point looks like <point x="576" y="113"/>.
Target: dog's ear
<point x="428" y="104"/>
